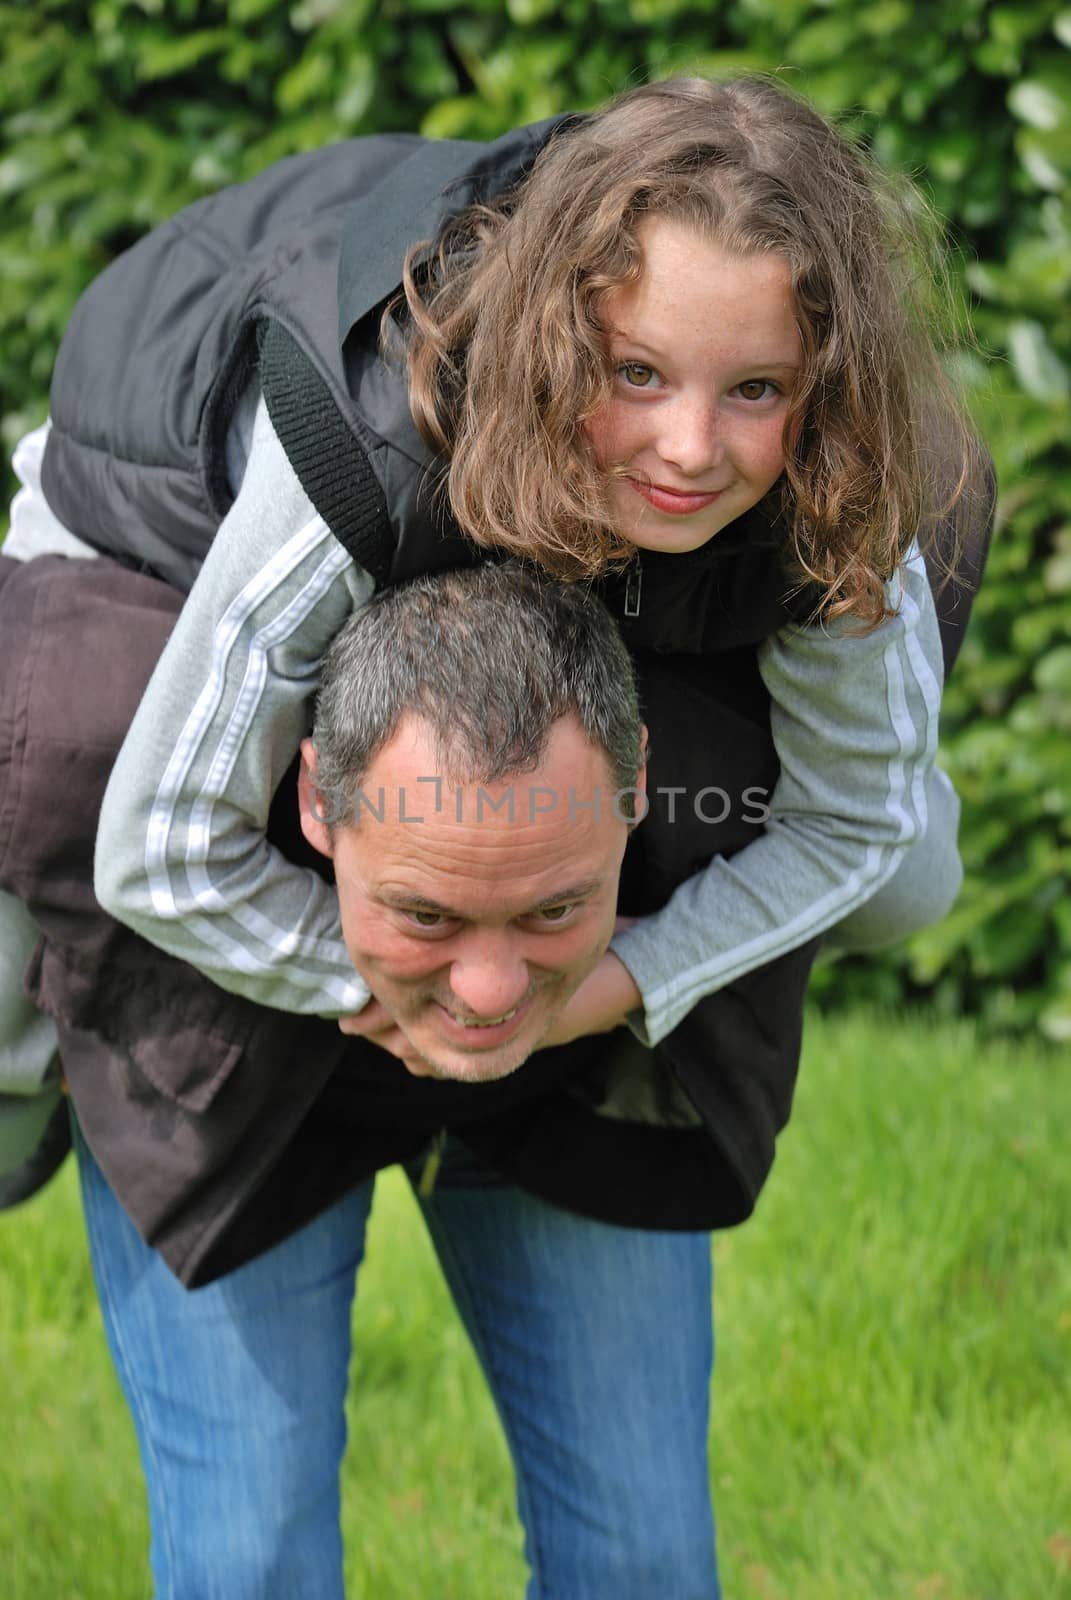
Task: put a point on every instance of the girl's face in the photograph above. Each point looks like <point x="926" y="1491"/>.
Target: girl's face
<point x="705" y="350"/>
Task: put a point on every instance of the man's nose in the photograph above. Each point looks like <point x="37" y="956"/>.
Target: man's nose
<point x="489" y="977"/>
<point x="691" y="439"/>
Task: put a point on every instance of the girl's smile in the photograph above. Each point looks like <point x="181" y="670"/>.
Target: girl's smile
<point x="674" y="502"/>
<point x="706" y="350"/>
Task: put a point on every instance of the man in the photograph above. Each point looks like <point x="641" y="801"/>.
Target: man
<point x="475" y="800"/>
<point x="473" y="775"/>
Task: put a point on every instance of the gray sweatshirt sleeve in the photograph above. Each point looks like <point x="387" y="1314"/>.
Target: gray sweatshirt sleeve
<point x="854" y="721"/>
<point x="181" y="852"/>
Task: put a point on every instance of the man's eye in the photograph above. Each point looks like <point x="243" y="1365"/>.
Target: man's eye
<point x="555" y="913"/>
<point x="637" y="375"/>
<point x="426" y="919"/>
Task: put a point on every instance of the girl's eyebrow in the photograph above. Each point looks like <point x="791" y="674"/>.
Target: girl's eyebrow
<point x="619" y="335"/>
<point x="625" y="337"/>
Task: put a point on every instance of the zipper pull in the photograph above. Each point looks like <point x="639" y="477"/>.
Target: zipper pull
<point x="432" y="1163"/>
<point x="633" y="585"/>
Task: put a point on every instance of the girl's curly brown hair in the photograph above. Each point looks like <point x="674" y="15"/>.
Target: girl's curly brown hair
<point x="508" y="360"/>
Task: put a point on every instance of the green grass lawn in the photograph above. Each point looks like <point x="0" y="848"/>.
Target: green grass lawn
<point x="893" y="1395"/>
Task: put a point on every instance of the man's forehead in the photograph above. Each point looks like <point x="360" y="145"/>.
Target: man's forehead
<point x="480" y="871"/>
<point x="534" y="838"/>
<point x="485" y="831"/>
<point x="409" y="766"/>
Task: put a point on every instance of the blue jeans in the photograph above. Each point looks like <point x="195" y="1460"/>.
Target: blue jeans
<point x="596" y="1342"/>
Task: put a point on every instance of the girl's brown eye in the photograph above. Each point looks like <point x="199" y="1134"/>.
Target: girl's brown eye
<point x="637" y="375"/>
<point x="754" y="389"/>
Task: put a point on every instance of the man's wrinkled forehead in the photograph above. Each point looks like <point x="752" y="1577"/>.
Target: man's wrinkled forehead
<point x="543" y="833"/>
<point x="408" y="784"/>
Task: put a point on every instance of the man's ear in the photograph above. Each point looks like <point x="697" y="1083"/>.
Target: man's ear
<point x="641" y="776"/>
<point x="314" y="820"/>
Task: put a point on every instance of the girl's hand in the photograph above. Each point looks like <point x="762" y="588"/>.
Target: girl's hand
<point x="601" y="1003"/>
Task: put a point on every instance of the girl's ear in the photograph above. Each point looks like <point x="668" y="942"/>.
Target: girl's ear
<point x="314" y="818"/>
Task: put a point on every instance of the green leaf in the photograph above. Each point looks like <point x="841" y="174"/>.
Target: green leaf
<point x="358" y="88"/>
<point x="1003" y="944"/>
<point x="1054" y="1020"/>
<point x="427" y="67"/>
<point x="1053" y="672"/>
<point x="306" y="82"/>
<point x="1046" y="155"/>
<point x="460" y="117"/>
<point x="1038" y="628"/>
<point x="1017" y="24"/>
<point x="1057" y="570"/>
<point x="824" y="40"/>
<point x="1043" y="101"/>
<point x="885" y="18"/>
<point x="244" y="11"/>
<point x="308" y="15"/>
<point x="1037" y="366"/>
<point x="952" y="155"/>
<point x="167" y="58"/>
<point x="528" y="11"/>
<point x="716" y="64"/>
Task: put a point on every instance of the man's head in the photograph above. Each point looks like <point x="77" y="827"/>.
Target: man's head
<point x="472" y="774"/>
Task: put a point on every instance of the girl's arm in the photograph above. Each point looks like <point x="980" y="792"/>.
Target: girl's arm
<point x="854" y="721"/>
<point x="924" y="886"/>
<point x="181" y="853"/>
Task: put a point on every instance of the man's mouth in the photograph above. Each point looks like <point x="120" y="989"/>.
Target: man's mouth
<point x="483" y="1031"/>
<point x="485" y="1022"/>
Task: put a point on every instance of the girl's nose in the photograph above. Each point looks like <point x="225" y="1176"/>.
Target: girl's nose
<point x="691" y="441"/>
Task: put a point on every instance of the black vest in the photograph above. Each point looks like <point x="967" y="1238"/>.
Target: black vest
<point x="287" y="275"/>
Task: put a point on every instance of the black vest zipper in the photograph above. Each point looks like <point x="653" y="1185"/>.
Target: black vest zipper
<point x="633" y="587"/>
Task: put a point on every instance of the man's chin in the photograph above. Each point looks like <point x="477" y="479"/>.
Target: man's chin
<point x="471" y="1071"/>
<point x="485" y="1066"/>
<point x="443" y="1059"/>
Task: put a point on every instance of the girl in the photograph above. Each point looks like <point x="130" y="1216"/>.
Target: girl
<point x="696" y="332"/>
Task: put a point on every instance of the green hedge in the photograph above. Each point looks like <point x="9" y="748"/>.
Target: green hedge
<point x="117" y="112"/>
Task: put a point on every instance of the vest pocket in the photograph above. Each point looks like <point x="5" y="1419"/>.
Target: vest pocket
<point x="182" y="1036"/>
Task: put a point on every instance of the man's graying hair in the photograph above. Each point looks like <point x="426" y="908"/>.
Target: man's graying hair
<point x="491" y="656"/>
